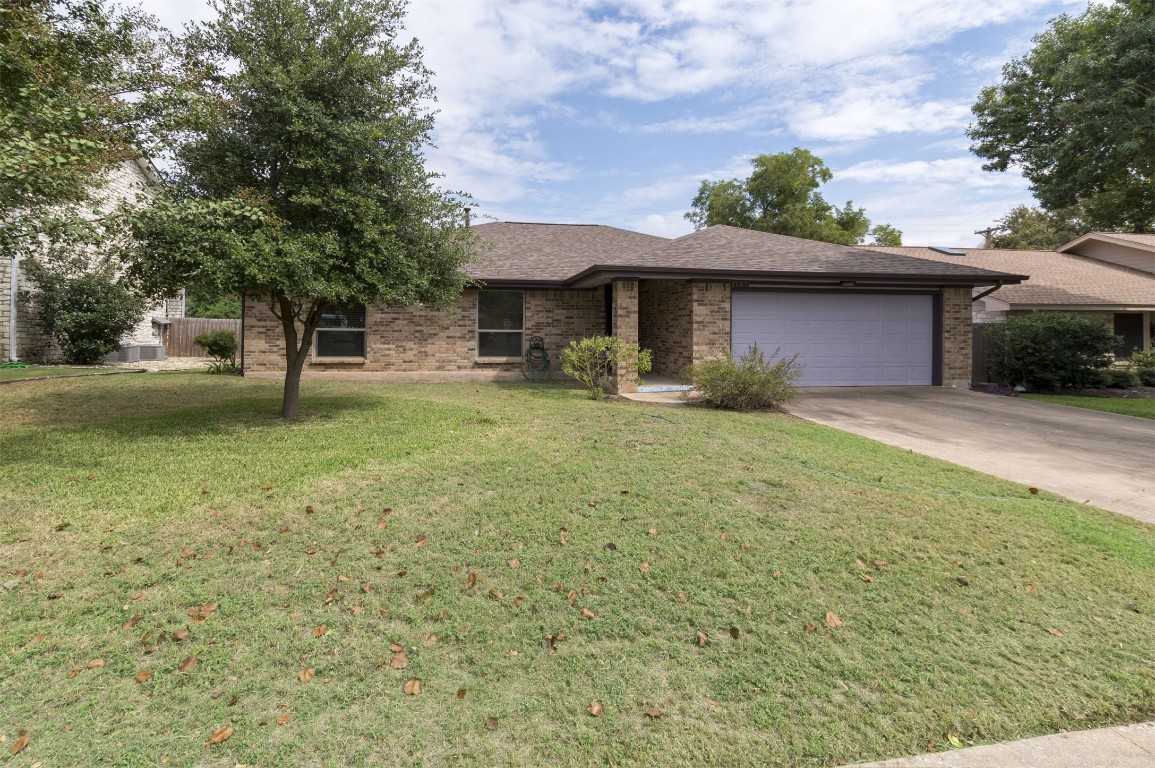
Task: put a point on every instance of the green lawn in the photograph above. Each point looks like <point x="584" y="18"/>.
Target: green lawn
<point x="1143" y="408"/>
<point x="969" y="608"/>
<point x="40" y="372"/>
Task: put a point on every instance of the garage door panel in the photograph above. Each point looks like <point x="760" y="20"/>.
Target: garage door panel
<point x="841" y="339"/>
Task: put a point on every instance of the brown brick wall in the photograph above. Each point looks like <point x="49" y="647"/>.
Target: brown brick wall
<point x="666" y="324"/>
<point x="956" y="337"/>
<point x="711" y="320"/>
<point x="625" y="323"/>
<point x="420" y="340"/>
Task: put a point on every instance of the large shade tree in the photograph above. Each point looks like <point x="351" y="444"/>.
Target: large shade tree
<point x="1035" y="229"/>
<point x="781" y="196"/>
<point x="301" y="180"/>
<point x="77" y="86"/>
<point x="1077" y="116"/>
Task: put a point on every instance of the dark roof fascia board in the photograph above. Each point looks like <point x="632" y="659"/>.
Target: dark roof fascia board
<point x="550" y="285"/>
<point x="597" y="275"/>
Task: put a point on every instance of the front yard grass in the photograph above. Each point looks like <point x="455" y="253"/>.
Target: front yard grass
<point x="41" y="372"/>
<point x="968" y="607"/>
<point x="1144" y="408"/>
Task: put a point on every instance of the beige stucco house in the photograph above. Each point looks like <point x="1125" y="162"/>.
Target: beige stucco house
<point x="855" y="317"/>
<point x="1110" y="276"/>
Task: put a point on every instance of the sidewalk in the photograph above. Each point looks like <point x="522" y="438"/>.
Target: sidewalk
<point x="1127" y="746"/>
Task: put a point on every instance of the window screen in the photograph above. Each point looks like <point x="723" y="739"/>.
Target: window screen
<point x="500" y="323"/>
<point x="341" y="332"/>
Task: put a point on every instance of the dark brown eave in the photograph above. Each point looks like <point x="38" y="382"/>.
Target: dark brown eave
<point x="598" y="275"/>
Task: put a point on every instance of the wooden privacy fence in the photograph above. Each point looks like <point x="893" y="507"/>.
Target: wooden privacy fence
<point x="178" y="337"/>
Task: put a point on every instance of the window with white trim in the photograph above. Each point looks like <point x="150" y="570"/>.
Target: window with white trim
<point x="500" y="323"/>
<point x="341" y="332"/>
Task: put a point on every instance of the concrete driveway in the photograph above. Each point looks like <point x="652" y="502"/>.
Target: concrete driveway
<point x="1100" y="458"/>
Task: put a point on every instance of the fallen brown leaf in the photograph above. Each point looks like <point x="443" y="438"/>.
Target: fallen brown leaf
<point x="734" y="632"/>
<point x="20" y="744"/>
<point x="561" y="534"/>
<point x="306" y="675"/>
<point x="653" y="531"/>
<point x="644" y="567"/>
<point x="1030" y="589"/>
<point x="395" y="647"/>
<point x="702" y="638"/>
<point x="400" y="660"/>
<point x="596" y="708"/>
<point x="425" y="594"/>
<point x="833" y="620"/>
<point x="683" y="597"/>
<point x="653" y="714"/>
<point x="587" y="613"/>
<point x="320" y="630"/>
<point x="810" y="627"/>
<point x="132" y="622"/>
<point x="461" y="693"/>
<point x="571" y="597"/>
<point x="471" y="580"/>
<point x="965" y="612"/>
<point x="1034" y="491"/>
<point x="1055" y="632"/>
<point x="866" y="577"/>
<point x="859" y="563"/>
<point x="188" y="664"/>
<point x="515" y="563"/>
<point x="429" y="640"/>
<point x="725" y="536"/>
<point x="422" y="541"/>
<point x="95" y="663"/>
<point x="517" y="601"/>
<point x="73" y="673"/>
<point x="178" y="635"/>
<point x="140" y="677"/>
<point x="282" y="719"/>
<point x="413" y="687"/>
<point x="491" y="722"/>
<point x="221" y="735"/>
<point x="266" y="487"/>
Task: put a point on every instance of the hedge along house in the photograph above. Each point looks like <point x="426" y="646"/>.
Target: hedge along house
<point x="855" y="317"/>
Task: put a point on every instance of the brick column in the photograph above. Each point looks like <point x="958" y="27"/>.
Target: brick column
<point x="957" y="341"/>
<point x="711" y="324"/>
<point x="624" y="316"/>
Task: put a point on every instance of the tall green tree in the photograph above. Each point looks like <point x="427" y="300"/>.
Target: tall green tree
<point x="1035" y="229"/>
<point x="781" y="196"/>
<point x="1077" y="116"/>
<point x="77" y="85"/>
<point x="302" y="181"/>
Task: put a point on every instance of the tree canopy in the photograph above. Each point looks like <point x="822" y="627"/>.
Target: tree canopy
<point x="781" y="196"/>
<point x="76" y="85"/>
<point x="1077" y="116"/>
<point x="300" y="181"/>
<point x="1035" y="229"/>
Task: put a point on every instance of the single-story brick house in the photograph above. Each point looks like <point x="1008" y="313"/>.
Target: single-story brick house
<point x="1105" y="275"/>
<point x="856" y="317"/>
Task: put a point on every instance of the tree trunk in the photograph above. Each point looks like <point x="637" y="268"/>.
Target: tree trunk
<point x="296" y="353"/>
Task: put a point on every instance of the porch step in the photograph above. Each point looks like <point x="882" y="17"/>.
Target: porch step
<point x="666" y="388"/>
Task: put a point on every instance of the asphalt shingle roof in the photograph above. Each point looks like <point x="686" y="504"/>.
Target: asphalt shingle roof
<point x="559" y="252"/>
<point x="1056" y="279"/>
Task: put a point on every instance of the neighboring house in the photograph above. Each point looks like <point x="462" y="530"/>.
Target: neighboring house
<point x="127" y="181"/>
<point x="1105" y="275"/>
<point x="855" y="317"/>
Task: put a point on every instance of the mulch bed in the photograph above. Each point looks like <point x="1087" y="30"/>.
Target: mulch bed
<point x="1134" y="393"/>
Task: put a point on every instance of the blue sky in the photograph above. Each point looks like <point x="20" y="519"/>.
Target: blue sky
<point x="613" y="112"/>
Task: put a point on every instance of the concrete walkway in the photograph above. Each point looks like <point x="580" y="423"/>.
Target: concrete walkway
<point x="1128" y="746"/>
<point x="1102" y="459"/>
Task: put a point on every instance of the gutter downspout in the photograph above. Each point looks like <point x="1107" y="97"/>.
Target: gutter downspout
<point x="15" y="287"/>
<point x="985" y="293"/>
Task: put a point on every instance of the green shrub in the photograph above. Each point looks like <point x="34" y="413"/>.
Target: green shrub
<point x="1142" y="360"/>
<point x="1146" y="376"/>
<point x="592" y="361"/>
<point x="749" y="383"/>
<point x="222" y="347"/>
<point x="1049" y="350"/>
<point x="83" y="306"/>
<point x="1120" y="378"/>
<point x="1099" y="378"/>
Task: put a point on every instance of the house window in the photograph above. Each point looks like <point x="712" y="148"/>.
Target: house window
<point x="1129" y="325"/>
<point x="500" y="323"/>
<point x="341" y="332"/>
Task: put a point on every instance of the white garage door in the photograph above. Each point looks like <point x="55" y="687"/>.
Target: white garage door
<point x="844" y="340"/>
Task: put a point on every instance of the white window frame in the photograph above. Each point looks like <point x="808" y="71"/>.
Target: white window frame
<point x="480" y="330"/>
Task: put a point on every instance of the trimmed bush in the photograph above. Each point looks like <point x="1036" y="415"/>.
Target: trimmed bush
<point x="1142" y="360"/>
<point x="749" y="383"/>
<point x="222" y="347"/>
<point x="1119" y="378"/>
<point x="1146" y="377"/>
<point x="592" y="361"/>
<point x="1050" y="350"/>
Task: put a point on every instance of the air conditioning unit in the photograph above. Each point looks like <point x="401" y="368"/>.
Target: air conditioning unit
<point x="129" y="354"/>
